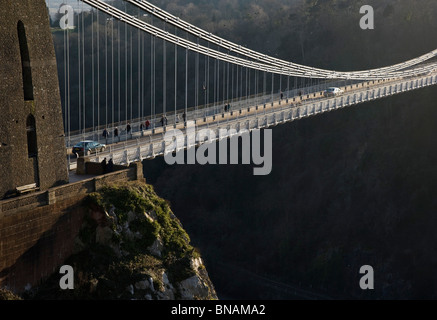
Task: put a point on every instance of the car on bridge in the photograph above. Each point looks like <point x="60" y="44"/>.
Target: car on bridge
<point x="87" y="147"/>
<point x="333" y="91"/>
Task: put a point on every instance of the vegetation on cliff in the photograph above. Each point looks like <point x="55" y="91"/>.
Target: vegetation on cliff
<point x="131" y="246"/>
<point x="8" y="295"/>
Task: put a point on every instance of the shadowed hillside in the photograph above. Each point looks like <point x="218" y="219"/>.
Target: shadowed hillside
<point x="349" y="188"/>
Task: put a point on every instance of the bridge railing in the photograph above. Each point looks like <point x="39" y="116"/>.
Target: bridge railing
<point x="193" y="113"/>
<point x="263" y="116"/>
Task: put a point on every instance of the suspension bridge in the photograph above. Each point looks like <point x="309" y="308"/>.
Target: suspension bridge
<point x="170" y="74"/>
<point x="128" y="63"/>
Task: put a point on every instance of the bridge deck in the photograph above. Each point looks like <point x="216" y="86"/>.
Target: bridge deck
<point x="150" y="143"/>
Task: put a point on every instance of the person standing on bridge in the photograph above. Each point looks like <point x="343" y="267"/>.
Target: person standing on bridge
<point x="116" y="133"/>
<point x="147" y="124"/>
<point x="129" y="129"/>
<point x="164" y="120"/>
<point x="105" y="135"/>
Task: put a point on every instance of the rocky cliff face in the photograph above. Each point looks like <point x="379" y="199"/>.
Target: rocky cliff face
<point x="131" y="246"/>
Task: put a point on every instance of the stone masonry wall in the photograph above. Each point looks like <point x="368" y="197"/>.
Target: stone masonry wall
<point x="37" y="230"/>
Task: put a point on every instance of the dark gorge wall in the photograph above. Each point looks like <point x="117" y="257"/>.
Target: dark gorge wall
<point x="37" y="231"/>
<point x="350" y="188"/>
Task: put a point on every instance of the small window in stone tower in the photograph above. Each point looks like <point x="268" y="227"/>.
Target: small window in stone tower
<point x="25" y="62"/>
<point x="32" y="148"/>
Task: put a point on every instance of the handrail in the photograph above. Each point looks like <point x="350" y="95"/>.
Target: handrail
<point x="282" y="113"/>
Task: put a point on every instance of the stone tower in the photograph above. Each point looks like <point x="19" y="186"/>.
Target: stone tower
<point x="32" y="145"/>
